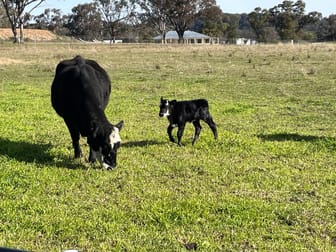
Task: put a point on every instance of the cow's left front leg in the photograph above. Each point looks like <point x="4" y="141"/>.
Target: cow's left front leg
<point x="92" y="156"/>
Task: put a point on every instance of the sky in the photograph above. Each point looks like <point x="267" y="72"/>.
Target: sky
<point x="326" y="7"/>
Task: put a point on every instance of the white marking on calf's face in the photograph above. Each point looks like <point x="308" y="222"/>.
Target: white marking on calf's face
<point x="166" y="113"/>
<point x="166" y="106"/>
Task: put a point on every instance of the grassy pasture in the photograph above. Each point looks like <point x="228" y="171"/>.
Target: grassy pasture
<point x="267" y="184"/>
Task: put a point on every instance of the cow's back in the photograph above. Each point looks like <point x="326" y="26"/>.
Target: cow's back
<point x="79" y="82"/>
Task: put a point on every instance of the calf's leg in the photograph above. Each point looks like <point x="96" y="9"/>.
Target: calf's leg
<point x="169" y="131"/>
<point x="212" y="126"/>
<point x="180" y="133"/>
<point x="198" y="128"/>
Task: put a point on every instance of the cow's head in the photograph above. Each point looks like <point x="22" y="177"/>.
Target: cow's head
<point x="105" y="142"/>
<point x="166" y="107"/>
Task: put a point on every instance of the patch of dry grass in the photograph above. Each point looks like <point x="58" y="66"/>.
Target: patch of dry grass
<point x="32" y="34"/>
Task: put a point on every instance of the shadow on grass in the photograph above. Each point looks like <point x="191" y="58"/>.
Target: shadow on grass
<point x="32" y="153"/>
<point x="141" y="143"/>
<point x="280" y="137"/>
<point x="321" y="141"/>
<point x="40" y="153"/>
<point x="317" y="143"/>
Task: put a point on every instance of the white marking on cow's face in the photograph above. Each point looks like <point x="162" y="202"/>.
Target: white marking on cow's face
<point x="114" y="137"/>
<point x="105" y="166"/>
<point x="107" y="157"/>
<point x="102" y="163"/>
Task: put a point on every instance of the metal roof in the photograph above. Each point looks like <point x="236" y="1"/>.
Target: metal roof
<point x="187" y="35"/>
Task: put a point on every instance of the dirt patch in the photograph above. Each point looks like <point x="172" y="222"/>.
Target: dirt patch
<point x="32" y="34"/>
<point x="9" y="61"/>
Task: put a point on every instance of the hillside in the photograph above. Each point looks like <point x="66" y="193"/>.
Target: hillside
<point x="32" y="34"/>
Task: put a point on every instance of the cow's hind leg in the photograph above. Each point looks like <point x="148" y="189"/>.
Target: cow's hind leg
<point x="74" y="133"/>
<point x="198" y="128"/>
<point x="212" y="126"/>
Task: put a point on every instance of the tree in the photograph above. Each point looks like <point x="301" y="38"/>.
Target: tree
<point x="3" y="18"/>
<point x="113" y="12"/>
<point x="245" y="30"/>
<point x="155" y="15"/>
<point x="15" y="12"/>
<point x="182" y="13"/>
<point x="50" y="19"/>
<point x="85" y="22"/>
<point x="332" y="28"/>
<point x="259" y="23"/>
<point x="327" y="29"/>
<point x="289" y="19"/>
<point x="232" y="23"/>
<point x="210" y="21"/>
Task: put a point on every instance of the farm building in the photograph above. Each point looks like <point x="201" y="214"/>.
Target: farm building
<point x="190" y="37"/>
<point x="245" y="41"/>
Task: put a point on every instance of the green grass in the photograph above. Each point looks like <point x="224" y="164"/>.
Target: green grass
<point x="267" y="184"/>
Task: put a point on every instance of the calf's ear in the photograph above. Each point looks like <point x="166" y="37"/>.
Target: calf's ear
<point x="120" y="125"/>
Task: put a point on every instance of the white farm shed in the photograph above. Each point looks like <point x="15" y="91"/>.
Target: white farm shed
<point x="190" y="37"/>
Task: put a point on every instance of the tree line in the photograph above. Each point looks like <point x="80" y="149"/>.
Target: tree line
<point x="140" y="21"/>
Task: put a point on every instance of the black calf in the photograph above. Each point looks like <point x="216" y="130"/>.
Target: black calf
<point x="180" y="112"/>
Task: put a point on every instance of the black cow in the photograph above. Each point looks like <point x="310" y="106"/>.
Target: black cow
<point x="180" y="112"/>
<point x="80" y="93"/>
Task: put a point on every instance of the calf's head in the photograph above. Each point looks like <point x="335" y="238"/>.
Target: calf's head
<point x="166" y="107"/>
<point x="105" y="142"/>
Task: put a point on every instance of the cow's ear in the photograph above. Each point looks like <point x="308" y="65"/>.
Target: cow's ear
<point x="120" y="125"/>
<point x="172" y="102"/>
<point x="161" y="99"/>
